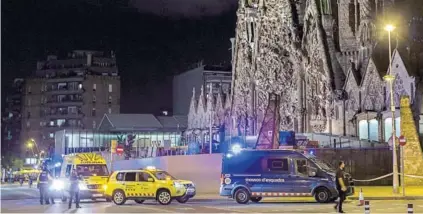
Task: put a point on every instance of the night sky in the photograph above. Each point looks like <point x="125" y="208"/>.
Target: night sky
<point x="153" y="40"/>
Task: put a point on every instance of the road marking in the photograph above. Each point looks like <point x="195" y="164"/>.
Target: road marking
<point x="185" y="208"/>
<point x="153" y="209"/>
<point x="227" y="210"/>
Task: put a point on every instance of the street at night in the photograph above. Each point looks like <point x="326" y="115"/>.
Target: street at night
<point x="17" y="199"/>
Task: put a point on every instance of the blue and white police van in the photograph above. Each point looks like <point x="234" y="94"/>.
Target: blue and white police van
<point x="250" y="175"/>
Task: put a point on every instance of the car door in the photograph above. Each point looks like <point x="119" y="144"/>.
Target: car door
<point x="303" y="184"/>
<point x="276" y="180"/>
<point x="130" y="184"/>
<point x="146" y="185"/>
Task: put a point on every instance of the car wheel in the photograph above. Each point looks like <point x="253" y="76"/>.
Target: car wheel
<point x="322" y="195"/>
<point x="182" y="199"/>
<point x="242" y="196"/>
<point x="256" y="199"/>
<point x="119" y="197"/>
<point x="164" y="197"/>
<point x="139" y="201"/>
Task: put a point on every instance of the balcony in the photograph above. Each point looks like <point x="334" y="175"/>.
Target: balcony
<point x="65" y="102"/>
<point x="65" y="90"/>
<point x="64" y="114"/>
<point x="65" y="78"/>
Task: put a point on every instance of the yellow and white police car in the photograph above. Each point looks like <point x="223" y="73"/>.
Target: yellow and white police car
<point x="148" y="184"/>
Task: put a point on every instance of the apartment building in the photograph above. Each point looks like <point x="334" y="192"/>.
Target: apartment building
<point x="72" y="93"/>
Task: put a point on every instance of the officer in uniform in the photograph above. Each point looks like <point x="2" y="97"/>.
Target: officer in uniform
<point x="43" y="183"/>
<point x="74" y="189"/>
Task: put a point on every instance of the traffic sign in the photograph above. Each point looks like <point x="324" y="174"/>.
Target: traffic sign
<point x="119" y="149"/>
<point x="402" y="140"/>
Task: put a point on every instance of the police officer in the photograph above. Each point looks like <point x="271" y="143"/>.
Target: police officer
<point x="74" y="189"/>
<point x="42" y="183"/>
<point x="340" y="186"/>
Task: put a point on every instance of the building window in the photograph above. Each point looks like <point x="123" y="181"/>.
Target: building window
<point x="363" y="130"/>
<point x="94" y="98"/>
<point x="110" y="110"/>
<point x="110" y="99"/>
<point x="80" y="86"/>
<point x="51" y="135"/>
<point x="94" y="124"/>
<point x="93" y="112"/>
<point x="94" y="87"/>
<point x="60" y="122"/>
<point x="51" y="123"/>
<point x="110" y="88"/>
<point x="28" y="124"/>
<point x="29" y="101"/>
<point x="29" y="89"/>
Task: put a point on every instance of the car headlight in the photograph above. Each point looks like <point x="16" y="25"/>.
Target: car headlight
<point x="82" y="186"/>
<point x="58" y="185"/>
<point x="178" y="185"/>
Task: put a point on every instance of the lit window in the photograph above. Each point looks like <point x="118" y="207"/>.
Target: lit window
<point x="52" y="123"/>
<point x="110" y="110"/>
<point x="51" y="135"/>
<point x="80" y="86"/>
<point x="110" y="99"/>
<point x="93" y="112"/>
<point x="110" y="88"/>
<point x="27" y="124"/>
<point x="94" y="87"/>
<point x="60" y="122"/>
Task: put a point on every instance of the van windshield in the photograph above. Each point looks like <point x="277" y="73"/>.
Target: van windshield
<point x="87" y="170"/>
<point x="321" y="164"/>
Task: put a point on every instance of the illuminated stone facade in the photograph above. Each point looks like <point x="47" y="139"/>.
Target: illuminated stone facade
<point x="413" y="156"/>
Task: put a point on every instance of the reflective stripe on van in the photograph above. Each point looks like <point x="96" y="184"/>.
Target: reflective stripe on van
<point x="280" y="194"/>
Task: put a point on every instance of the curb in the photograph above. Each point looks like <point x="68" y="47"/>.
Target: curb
<point x="390" y="198"/>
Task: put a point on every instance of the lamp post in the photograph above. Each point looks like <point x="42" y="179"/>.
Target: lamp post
<point x="390" y="78"/>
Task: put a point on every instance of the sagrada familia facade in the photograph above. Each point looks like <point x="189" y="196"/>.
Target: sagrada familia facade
<point x="325" y="61"/>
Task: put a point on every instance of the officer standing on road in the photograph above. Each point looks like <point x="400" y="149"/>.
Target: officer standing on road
<point x="340" y="186"/>
<point x="74" y="189"/>
<point x="43" y="183"/>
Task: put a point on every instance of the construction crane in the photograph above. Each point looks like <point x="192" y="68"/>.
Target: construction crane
<point x="268" y="137"/>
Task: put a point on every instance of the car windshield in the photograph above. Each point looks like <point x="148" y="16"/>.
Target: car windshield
<point x="92" y="170"/>
<point x="162" y="175"/>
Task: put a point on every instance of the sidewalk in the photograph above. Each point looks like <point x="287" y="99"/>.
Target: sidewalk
<point x="385" y="193"/>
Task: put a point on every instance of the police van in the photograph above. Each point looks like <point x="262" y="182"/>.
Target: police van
<point x="250" y="175"/>
<point x="92" y="170"/>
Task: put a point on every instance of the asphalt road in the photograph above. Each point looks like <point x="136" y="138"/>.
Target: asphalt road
<point x="24" y="200"/>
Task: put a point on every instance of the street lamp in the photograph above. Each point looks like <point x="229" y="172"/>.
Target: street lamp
<point x="390" y="78"/>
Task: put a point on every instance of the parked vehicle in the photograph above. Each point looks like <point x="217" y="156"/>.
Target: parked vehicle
<point x="250" y="175"/>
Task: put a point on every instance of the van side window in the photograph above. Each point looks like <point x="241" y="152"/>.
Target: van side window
<point x="277" y="164"/>
<point x="130" y="176"/>
<point x="302" y="166"/>
<point x="68" y="170"/>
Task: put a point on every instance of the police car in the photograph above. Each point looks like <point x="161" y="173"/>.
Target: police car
<point x="148" y="184"/>
<point x="250" y="175"/>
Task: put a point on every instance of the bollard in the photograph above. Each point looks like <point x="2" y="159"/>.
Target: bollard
<point x="410" y="208"/>
<point x="367" y="207"/>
